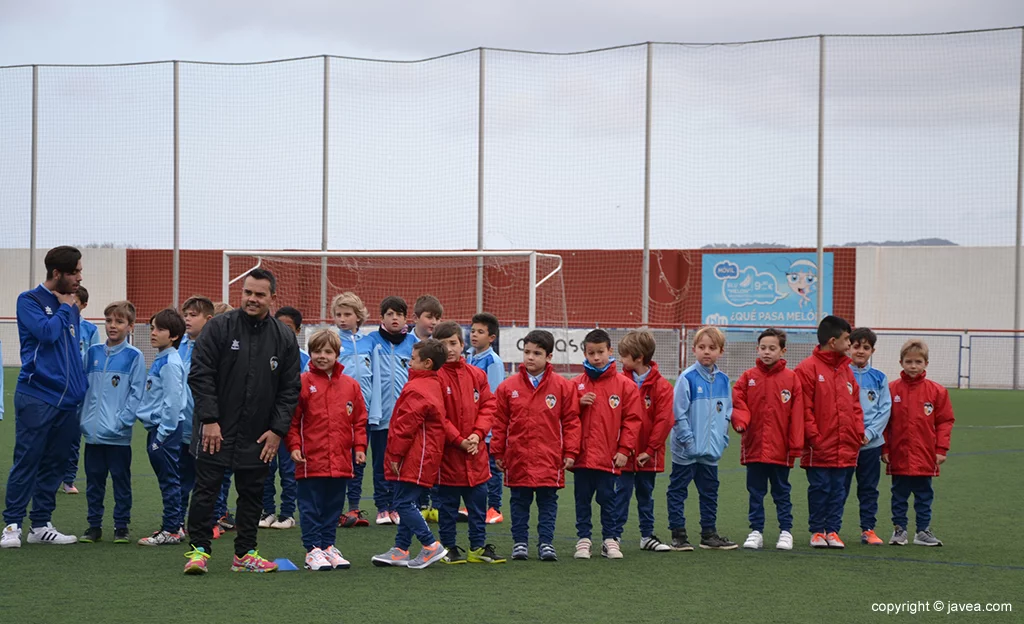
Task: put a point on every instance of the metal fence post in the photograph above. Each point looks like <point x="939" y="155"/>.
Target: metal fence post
<point x="1020" y="208"/>
<point x="176" y="254"/>
<point x="821" y="176"/>
<point x="645" y="278"/>
<point x="33" y="200"/>
<point x="323" y="191"/>
<point x="480" y="188"/>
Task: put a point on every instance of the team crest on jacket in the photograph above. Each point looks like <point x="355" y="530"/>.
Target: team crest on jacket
<point x="71" y="329"/>
<point x="849" y="387"/>
<point x="550" y="401"/>
<point x="149" y="384"/>
<point x="872" y="396"/>
<point x="312" y="389"/>
<point x="404" y="362"/>
<point x="349" y="408"/>
<point x="273" y="363"/>
<point x="116" y="379"/>
<point x="647" y="401"/>
<point x="613" y="400"/>
<point x="719" y="406"/>
<point x="581" y="387"/>
<point x="751" y="383"/>
<point x="476" y="395"/>
<point x="928" y="409"/>
<point x="786" y="396"/>
<point x="897" y="399"/>
<point x="515" y="394"/>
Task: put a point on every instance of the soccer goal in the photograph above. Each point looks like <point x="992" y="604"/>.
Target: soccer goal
<point x="521" y="288"/>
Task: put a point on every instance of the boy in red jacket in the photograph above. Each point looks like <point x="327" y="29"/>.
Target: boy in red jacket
<point x="536" y="436"/>
<point x="610" y="415"/>
<point x="636" y="350"/>
<point x="328" y="428"/>
<point x="833" y="429"/>
<point x="768" y="410"/>
<point x="465" y="468"/>
<point x="916" y="442"/>
<point x="413" y="456"/>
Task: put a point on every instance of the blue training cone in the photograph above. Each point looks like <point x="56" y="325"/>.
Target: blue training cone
<point x="285" y="565"/>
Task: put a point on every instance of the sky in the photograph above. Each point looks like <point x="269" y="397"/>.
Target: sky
<point x="920" y="134"/>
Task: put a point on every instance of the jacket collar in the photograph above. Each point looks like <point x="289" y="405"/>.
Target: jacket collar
<point x="114" y="350"/>
<point x="548" y="371"/>
<point x="703" y="372"/>
<point x="421" y="374"/>
<point x="456" y="365"/>
<point x="596" y="373"/>
<point x="913" y="380"/>
<point x="780" y="365"/>
<point x="832" y="358"/>
<point x="338" y="368"/>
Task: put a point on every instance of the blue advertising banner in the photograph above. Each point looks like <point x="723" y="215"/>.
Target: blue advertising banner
<point x="764" y="289"/>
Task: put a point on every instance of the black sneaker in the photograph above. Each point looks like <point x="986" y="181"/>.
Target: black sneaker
<point x="227" y="522"/>
<point x="455" y="555"/>
<point x="486" y="554"/>
<point x="91" y="535"/>
<point x="121" y="536"/>
<point x="547" y="552"/>
<point x="714" y="541"/>
<point x="679" y="541"/>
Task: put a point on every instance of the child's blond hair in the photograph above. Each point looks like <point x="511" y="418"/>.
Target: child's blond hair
<point x="221" y="307"/>
<point x="324" y="338"/>
<point x="349" y="299"/>
<point x="638" y="345"/>
<point x="912" y="345"/>
<point x="121" y="309"/>
<point x="714" y="334"/>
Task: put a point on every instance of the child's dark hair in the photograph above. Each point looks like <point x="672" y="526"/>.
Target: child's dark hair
<point x="831" y="327"/>
<point x="264" y="274"/>
<point x="82" y="294"/>
<point x="198" y="303"/>
<point x="543" y="339"/>
<point x="447" y="329"/>
<point x="432" y="350"/>
<point x="396" y="303"/>
<point x="779" y="334"/>
<point x="488" y="319"/>
<point x="864" y="334"/>
<point x="291" y="313"/>
<point x="171" y="320"/>
<point x="428" y="303"/>
<point x="597" y="336"/>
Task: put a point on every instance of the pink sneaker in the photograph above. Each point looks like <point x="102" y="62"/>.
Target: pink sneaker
<point x="383" y="518"/>
<point x="395" y="518"/>
<point x="252" y="562"/>
<point x="336" y="559"/>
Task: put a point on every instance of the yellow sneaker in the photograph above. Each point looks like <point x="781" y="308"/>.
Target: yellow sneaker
<point x="484" y="555"/>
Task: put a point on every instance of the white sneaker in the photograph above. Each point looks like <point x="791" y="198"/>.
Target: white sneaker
<point x="336" y="559"/>
<point x="610" y="549"/>
<point x="785" y="541"/>
<point x="267" y="520"/>
<point x="583" y="548"/>
<point x="755" y="541"/>
<point x="11" y="537"/>
<point x="317" y="561"/>
<point x="160" y="538"/>
<point x="48" y="535"/>
<point x="652" y="543"/>
<point x="283" y="523"/>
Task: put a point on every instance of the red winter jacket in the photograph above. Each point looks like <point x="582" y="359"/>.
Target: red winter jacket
<point x="329" y="422"/>
<point x="535" y="429"/>
<point x="656" y="396"/>
<point x="611" y="424"/>
<point x="833" y="417"/>
<point x="416" y="434"/>
<point x="919" y="428"/>
<point x="469" y="409"/>
<point x="768" y="404"/>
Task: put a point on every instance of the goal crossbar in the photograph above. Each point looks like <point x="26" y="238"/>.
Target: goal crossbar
<point x="534" y="284"/>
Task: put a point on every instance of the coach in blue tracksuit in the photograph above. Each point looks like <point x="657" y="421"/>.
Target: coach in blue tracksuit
<point x="50" y="389"/>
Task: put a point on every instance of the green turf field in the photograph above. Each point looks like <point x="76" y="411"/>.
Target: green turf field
<point x="978" y="513"/>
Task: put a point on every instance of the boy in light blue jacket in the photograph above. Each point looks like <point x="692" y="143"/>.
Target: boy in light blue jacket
<point x="161" y="412"/>
<point x="877" y="403"/>
<point x="702" y="409"/>
<point x="117" y="382"/>
<point x="390" y="351"/>
<point x="88" y="335"/>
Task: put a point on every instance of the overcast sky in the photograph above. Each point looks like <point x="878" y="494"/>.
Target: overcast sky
<point x="115" y="31"/>
<point x="920" y="132"/>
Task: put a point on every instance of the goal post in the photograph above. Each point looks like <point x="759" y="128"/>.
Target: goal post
<point x="370" y="273"/>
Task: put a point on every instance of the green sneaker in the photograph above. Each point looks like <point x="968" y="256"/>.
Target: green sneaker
<point x="485" y="554"/>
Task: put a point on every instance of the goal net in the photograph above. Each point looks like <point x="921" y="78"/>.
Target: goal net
<point x="523" y="289"/>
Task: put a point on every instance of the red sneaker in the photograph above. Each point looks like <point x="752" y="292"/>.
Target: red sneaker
<point x="868" y="537"/>
<point x="494" y="516"/>
<point x="834" y="541"/>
